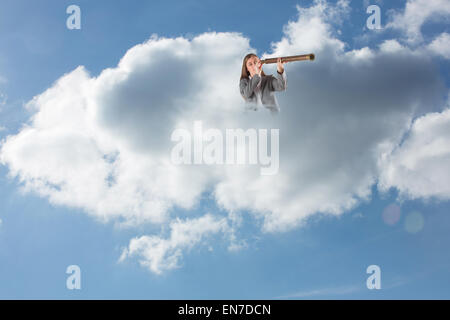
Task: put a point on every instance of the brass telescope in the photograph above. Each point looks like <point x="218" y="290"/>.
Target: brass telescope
<point x="290" y="58"/>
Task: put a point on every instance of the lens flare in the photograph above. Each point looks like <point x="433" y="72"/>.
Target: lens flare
<point x="391" y="214"/>
<point x="414" y="222"/>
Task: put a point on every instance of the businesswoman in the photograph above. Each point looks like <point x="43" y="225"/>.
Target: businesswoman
<point x="257" y="88"/>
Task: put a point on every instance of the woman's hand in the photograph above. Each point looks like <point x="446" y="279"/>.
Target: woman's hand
<point x="258" y="68"/>
<point x="280" y="65"/>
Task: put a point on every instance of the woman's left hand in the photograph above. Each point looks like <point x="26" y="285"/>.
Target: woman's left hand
<point x="280" y="65"/>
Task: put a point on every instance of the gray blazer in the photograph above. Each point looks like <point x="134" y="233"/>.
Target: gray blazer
<point x="269" y="84"/>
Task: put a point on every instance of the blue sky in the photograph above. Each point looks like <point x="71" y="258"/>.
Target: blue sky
<point x="325" y="258"/>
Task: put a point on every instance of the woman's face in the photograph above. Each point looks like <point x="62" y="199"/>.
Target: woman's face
<point x="251" y="63"/>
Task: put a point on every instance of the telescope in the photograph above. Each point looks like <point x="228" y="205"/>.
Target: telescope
<point x="290" y="58"/>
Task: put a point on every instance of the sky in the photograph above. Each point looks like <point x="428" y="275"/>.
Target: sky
<point x="86" y="177"/>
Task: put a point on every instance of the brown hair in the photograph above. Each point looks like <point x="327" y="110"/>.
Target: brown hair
<point x="245" y="73"/>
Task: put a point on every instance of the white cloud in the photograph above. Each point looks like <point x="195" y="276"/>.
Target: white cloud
<point x="441" y="45"/>
<point x="103" y="143"/>
<point x="416" y="13"/>
<point x="391" y="46"/>
<point x="420" y="166"/>
<point x="159" y="254"/>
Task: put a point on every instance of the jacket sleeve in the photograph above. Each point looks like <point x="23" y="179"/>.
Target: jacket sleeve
<point x="279" y="81"/>
<point x="247" y="86"/>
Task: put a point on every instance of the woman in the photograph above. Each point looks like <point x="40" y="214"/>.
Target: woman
<point x="257" y="88"/>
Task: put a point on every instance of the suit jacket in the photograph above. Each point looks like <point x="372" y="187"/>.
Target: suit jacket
<point x="267" y="85"/>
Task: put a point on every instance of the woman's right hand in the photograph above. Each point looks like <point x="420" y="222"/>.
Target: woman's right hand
<point x="258" y="68"/>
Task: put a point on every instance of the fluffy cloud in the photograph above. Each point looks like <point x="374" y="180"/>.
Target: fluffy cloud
<point x="441" y="45"/>
<point x="103" y="143"/>
<point x="420" y="166"/>
<point x="159" y="254"/>
<point x="416" y="13"/>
